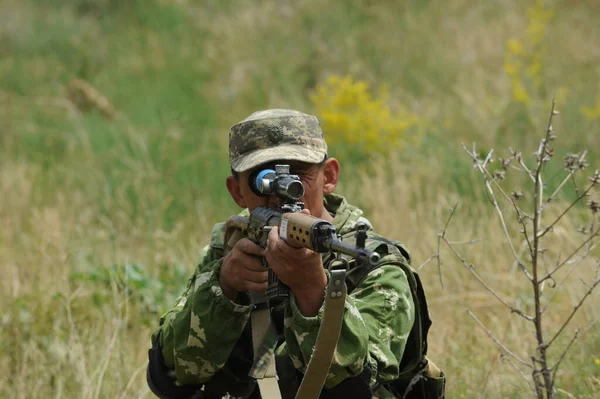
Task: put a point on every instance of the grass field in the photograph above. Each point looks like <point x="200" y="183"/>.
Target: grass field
<point x="104" y="211"/>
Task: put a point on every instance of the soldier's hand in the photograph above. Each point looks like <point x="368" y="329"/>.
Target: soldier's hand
<point x="300" y="269"/>
<point x="242" y="269"/>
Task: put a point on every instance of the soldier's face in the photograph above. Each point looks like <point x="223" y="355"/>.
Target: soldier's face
<point x="317" y="180"/>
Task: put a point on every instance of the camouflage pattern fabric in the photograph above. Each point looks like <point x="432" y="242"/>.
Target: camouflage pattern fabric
<point x="274" y="134"/>
<point x="199" y="333"/>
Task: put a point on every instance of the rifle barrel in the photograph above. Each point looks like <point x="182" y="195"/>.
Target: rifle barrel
<point x="358" y="253"/>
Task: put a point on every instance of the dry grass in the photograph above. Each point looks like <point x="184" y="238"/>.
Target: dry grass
<point x="79" y="193"/>
<point x="59" y="343"/>
<point x="470" y="358"/>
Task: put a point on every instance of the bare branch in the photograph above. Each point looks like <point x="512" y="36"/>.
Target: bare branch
<point x="563" y="354"/>
<point x="452" y="211"/>
<point x="547" y="229"/>
<point x="519" y="157"/>
<point x="471" y="268"/>
<point x="432" y="257"/>
<point x="589" y="327"/>
<point x="507" y="235"/>
<point x="568" y="258"/>
<point x="557" y="287"/>
<point x="525" y="377"/>
<point x="487" y="177"/>
<point x="552" y="197"/>
<point x="441" y="236"/>
<point x="526" y="169"/>
<point x="544" y="155"/>
<point x="473" y="241"/>
<point x="488" y="158"/>
<point x="575" y="309"/>
<point x="497" y="341"/>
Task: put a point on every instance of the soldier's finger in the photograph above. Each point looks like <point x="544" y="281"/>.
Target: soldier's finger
<point x="254" y="264"/>
<point x="250" y="248"/>
<point x="276" y="245"/>
<point x="273" y="239"/>
<point x="254" y="276"/>
<point x="256" y="287"/>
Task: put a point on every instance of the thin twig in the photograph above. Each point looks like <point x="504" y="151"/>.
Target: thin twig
<point x="575" y="309"/>
<point x="526" y="169"/>
<point x="558" y="286"/>
<point x="575" y="187"/>
<point x="568" y="258"/>
<point x="547" y="229"/>
<point x="470" y="267"/>
<point x="589" y="327"/>
<point x="488" y="158"/>
<point x="442" y="236"/>
<point x="473" y="241"/>
<point x="552" y="196"/>
<point x="525" y="377"/>
<point x="432" y="257"/>
<point x="499" y="211"/>
<point x="543" y="155"/>
<point x="497" y="341"/>
<point x="562" y="355"/>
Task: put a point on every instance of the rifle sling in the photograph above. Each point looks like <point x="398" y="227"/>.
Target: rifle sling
<point x="263" y="369"/>
<point x="327" y="338"/>
<point x="264" y="342"/>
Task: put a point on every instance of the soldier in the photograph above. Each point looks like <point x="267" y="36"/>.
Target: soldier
<point x="203" y="347"/>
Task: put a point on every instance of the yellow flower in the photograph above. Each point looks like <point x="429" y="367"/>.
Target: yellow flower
<point x="524" y="57"/>
<point x="511" y="68"/>
<point x="515" y="46"/>
<point x="597" y="361"/>
<point x="361" y="119"/>
<point x="592" y="113"/>
<point x="519" y="94"/>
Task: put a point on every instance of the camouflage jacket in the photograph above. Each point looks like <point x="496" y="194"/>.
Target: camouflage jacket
<point x="206" y="338"/>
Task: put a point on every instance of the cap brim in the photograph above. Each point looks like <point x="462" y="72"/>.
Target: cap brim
<point x="284" y="153"/>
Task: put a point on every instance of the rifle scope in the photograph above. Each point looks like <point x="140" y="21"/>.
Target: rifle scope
<point x="279" y="182"/>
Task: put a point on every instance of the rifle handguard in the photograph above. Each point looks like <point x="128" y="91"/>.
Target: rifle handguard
<point x="297" y="229"/>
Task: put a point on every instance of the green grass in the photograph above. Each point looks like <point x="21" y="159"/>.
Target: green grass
<point x="82" y="193"/>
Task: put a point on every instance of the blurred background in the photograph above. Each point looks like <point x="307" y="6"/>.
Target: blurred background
<point x="114" y="117"/>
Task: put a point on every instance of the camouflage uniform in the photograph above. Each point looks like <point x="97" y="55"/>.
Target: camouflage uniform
<point x="198" y="335"/>
<point x="205" y="340"/>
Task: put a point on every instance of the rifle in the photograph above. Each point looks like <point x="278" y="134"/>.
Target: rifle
<point x="296" y="228"/>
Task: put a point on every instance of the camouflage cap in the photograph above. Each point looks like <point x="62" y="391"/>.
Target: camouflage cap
<point x="275" y="134"/>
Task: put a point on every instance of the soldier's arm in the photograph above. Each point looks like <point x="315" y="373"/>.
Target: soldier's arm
<point x="196" y="337"/>
<point x="378" y="318"/>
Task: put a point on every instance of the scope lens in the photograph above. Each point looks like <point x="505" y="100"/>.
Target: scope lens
<point x="295" y="189"/>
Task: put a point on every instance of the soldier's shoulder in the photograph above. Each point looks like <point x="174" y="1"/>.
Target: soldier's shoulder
<point x="385" y="247"/>
<point x="217" y="236"/>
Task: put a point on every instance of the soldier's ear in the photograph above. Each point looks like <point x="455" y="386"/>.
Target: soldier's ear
<point x="331" y="175"/>
<point x="233" y="186"/>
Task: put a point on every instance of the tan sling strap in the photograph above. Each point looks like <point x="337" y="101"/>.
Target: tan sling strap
<point x="327" y="338"/>
<point x="264" y="341"/>
<point x="264" y="338"/>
